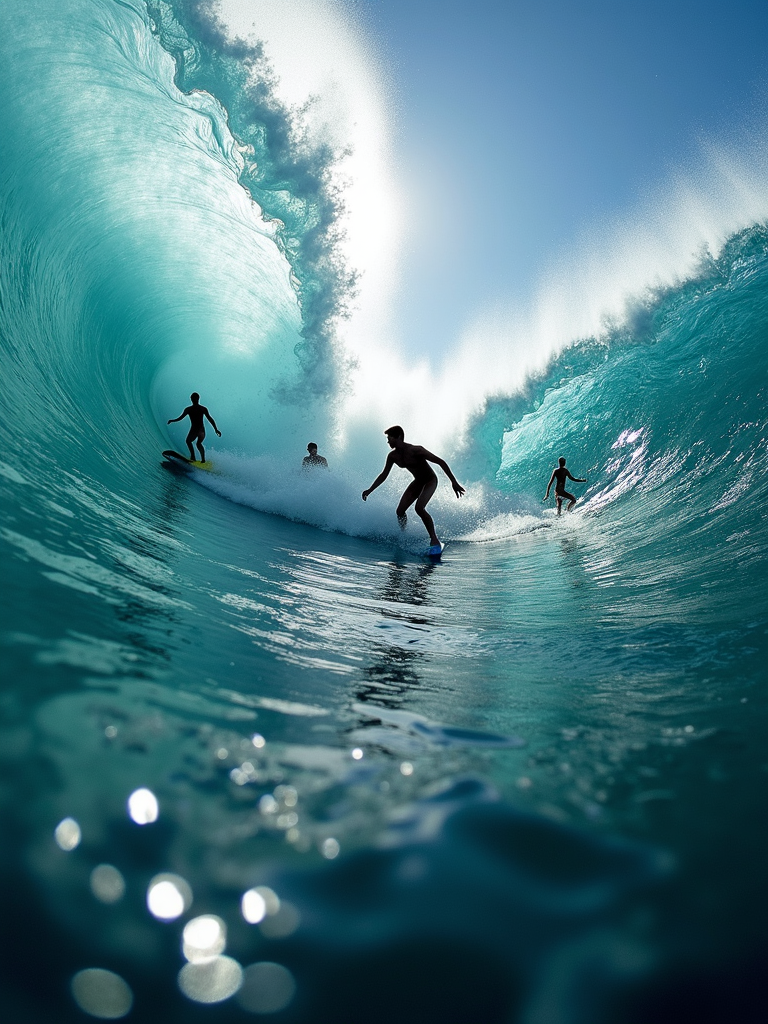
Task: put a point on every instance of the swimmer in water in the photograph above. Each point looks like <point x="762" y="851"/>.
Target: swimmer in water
<point x="197" y="415"/>
<point x="559" y="475"/>
<point x="313" y="459"/>
<point x="416" y="460"/>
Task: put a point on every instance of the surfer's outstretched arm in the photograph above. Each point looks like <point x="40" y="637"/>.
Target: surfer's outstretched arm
<point x="212" y="422"/>
<point x="458" y="489"/>
<point x="381" y="477"/>
<point x="185" y="413"/>
<point x="576" y="479"/>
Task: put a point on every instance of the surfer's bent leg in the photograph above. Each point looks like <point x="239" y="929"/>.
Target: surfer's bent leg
<point x="200" y="439"/>
<point x="190" y="438"/>
<point x="410" y="494"/>
<point x="427" y="491"/>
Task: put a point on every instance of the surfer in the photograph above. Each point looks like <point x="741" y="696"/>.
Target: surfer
<point x="416" y="460"/>
<point x="313" y="459"/>
<point x="559" y="475"/>
<point x="197" y="415"/>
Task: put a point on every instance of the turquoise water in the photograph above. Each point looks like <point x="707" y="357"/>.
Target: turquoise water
<point x="524" y="784"/>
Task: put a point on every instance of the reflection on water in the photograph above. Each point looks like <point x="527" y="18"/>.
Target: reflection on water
<point x="391" y="673"/>
<point x="168" y="896"/>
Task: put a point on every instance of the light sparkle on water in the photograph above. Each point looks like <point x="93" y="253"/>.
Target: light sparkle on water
<point x="143" y="807"/>
<point x="203" y="938"/>
<point x="67" y="834"/>
<point x="168" y="896"/>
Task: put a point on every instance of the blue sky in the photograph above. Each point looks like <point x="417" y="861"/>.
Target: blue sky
<point x="519" y="125"/>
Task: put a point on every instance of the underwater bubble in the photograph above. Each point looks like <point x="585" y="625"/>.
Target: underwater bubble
<point x="357" y="754"/>
<point x="282" y="923"/>
<point x="330" y="848"/>
<point x="204" y="938"/>
<point x="406" y="768"/>
<point x="143" y="807"/>
<point x="107" y="883"/>
<point x="101" y="993"/>
<point x="211" y="981"/>
<point x="267" y="988"/>
<point x="67" y="834"/>
<point x="168" y="896"/>
<point x="110" y="732"/>
<point x="258" y="740"/>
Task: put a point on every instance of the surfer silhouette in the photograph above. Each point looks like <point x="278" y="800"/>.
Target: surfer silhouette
<point x="313" y="459"/>
<point x="416" y="460"/>
<point x="197" y="415"/>
<point x="559" y="475"/>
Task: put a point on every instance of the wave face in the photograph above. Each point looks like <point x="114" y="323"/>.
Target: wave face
<point x="472" y="784"/>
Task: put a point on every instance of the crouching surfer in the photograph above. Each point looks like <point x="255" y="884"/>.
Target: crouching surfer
<point x="559" y="475"/>
<point x="416" y="460"/>
<point x="198" y="414"/>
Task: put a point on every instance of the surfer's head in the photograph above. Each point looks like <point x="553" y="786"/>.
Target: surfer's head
<point x="394" y="434"/>
<point x="194" y="397"/>
<point x="312" y="448"/>
<point x="562" y="462"/>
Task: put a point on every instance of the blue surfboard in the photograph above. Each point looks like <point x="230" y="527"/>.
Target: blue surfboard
<point x="434" y="552"/>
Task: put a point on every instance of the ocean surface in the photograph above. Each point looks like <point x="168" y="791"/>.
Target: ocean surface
<point x="259" y="757"/>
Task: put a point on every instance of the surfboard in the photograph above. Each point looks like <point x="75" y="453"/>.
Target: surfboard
<point x="434" y="552"/>
<point x="176" y="458"/>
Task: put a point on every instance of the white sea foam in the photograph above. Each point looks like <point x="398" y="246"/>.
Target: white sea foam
<point x="331" y="499"/>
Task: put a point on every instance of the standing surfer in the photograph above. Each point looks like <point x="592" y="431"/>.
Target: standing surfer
<point x="559" y="475"/>
<point x="416" y="460"/>
<point x="197" y="415"/>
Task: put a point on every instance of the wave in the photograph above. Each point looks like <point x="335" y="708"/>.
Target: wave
<point x="664" y="413"/>
<point x="192" y="234"/>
